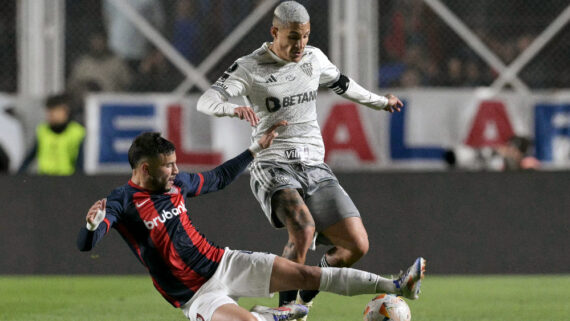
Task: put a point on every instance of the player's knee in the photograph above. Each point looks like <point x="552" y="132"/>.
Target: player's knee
<point x="301" y="229"/>
<point x="360" y="248"/>
<point x="298" y="245"/>
<point x="355" y="252"/>
<point x="310" y="277"/>
<point x="302" y="236"/>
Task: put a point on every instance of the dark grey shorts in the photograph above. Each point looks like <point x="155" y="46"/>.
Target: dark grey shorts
<point x="319" y="187"/>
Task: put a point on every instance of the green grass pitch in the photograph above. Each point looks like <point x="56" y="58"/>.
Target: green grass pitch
<point x="444" y="298"/>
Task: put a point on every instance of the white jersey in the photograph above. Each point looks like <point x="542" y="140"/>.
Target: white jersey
<point x="281" y="90"/>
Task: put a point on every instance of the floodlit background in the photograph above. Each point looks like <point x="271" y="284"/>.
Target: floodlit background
<point x="472" y="74"/>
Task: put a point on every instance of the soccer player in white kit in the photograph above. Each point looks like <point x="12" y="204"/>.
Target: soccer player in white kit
<point x="293" y="185"/>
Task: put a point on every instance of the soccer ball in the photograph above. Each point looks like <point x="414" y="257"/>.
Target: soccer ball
<point x="387" y="307"/>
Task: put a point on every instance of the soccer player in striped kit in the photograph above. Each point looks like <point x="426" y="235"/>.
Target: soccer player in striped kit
<point x="191" y="273"/>
<point x="290" y="180"/>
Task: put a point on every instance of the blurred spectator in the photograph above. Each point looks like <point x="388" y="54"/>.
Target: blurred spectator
<point x="228" y="15"/>
<point x="523" y="42"/>
<point x="411" y="78"/>
<point x="100" y="67"/>
<point x="432" y="74"/>
<point x="407" y="23"/>
<point x="186" y="30"/>
<point x="473" y="76"/>
<point x="58" y="146"/>
<point x="125" y="40"/>
<point x="390" y="74"/>
<point x="507" y="50"/>
<point x="82" y="18"/>
<point x="11" y="140"/>
<point x="515" y="154"/>
<point x="155" y="73"/>
<point x="454" y="72"/>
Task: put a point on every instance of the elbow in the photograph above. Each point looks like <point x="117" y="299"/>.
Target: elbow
<point x="203" y="104"/>
<point x="200" y="106"/>
<point x="212" y="103"/>
<point x="83" y="247"/>
<point x="84" y="242"/>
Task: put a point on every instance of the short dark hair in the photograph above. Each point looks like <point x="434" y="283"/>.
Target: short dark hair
<point x="149" y="144"/>
<point x="523" y="144"/>
<point x="56" y="100"/>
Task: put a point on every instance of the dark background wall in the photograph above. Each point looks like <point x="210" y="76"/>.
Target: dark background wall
<point x="461" y="222"/>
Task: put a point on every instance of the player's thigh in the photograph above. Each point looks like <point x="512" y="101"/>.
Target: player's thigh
<point x="268" y="178"/>
<point x="330" y="205"/>
<point x="287" y="275"/>
<point x="245" y="273"/>
<point x="291" y="210"/>
<point x="232" y="312"/>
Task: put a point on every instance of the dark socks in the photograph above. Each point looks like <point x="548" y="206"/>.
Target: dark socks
<point x="286" y="297"/>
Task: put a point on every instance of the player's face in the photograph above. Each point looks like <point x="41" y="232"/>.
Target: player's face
<point x="162" y="172"/>
<point x="289" y="42"/>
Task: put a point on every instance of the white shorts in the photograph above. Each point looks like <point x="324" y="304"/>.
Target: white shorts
<point x="240" y="274"/>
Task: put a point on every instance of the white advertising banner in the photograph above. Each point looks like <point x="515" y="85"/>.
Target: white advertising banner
<point x="356" y="138"/>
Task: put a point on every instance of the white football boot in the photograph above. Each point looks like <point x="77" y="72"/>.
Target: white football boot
<point x="307" y="304"/>
<point x="408" y="284"/>
<point x="291" y="311"/>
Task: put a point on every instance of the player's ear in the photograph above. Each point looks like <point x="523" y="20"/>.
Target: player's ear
<point x="145" y="168"/>
<point x="274" y="31"/>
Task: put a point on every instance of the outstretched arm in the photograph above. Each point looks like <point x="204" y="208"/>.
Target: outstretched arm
<point x="224" y="174"/>
<point x="351" y="90"/>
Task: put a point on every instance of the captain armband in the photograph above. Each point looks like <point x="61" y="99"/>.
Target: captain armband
<point x="341" y="85"/>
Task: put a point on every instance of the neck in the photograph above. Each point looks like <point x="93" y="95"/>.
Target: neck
<point x="138" y="179"/>
<point x="279" y="59"/>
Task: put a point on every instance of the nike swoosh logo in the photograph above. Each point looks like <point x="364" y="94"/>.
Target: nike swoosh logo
<point x="141" y="203"/>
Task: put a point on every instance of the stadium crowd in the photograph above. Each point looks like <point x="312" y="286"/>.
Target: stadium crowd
<point x="105" y="53"/>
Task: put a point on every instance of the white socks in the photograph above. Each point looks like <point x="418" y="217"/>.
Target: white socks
<point x="348" y="281"/>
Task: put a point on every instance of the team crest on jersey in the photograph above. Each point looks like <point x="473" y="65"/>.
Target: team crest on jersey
<point x="307" y="68"/>
<point x="199" y="317"/>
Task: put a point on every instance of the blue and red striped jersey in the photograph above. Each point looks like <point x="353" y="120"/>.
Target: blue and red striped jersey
<point x="158" y="229"/>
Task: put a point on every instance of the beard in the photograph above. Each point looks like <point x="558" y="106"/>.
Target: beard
<point x="159" y="185"/>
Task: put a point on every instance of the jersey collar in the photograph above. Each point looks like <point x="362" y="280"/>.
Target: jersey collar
<point x="173" y="189"/>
